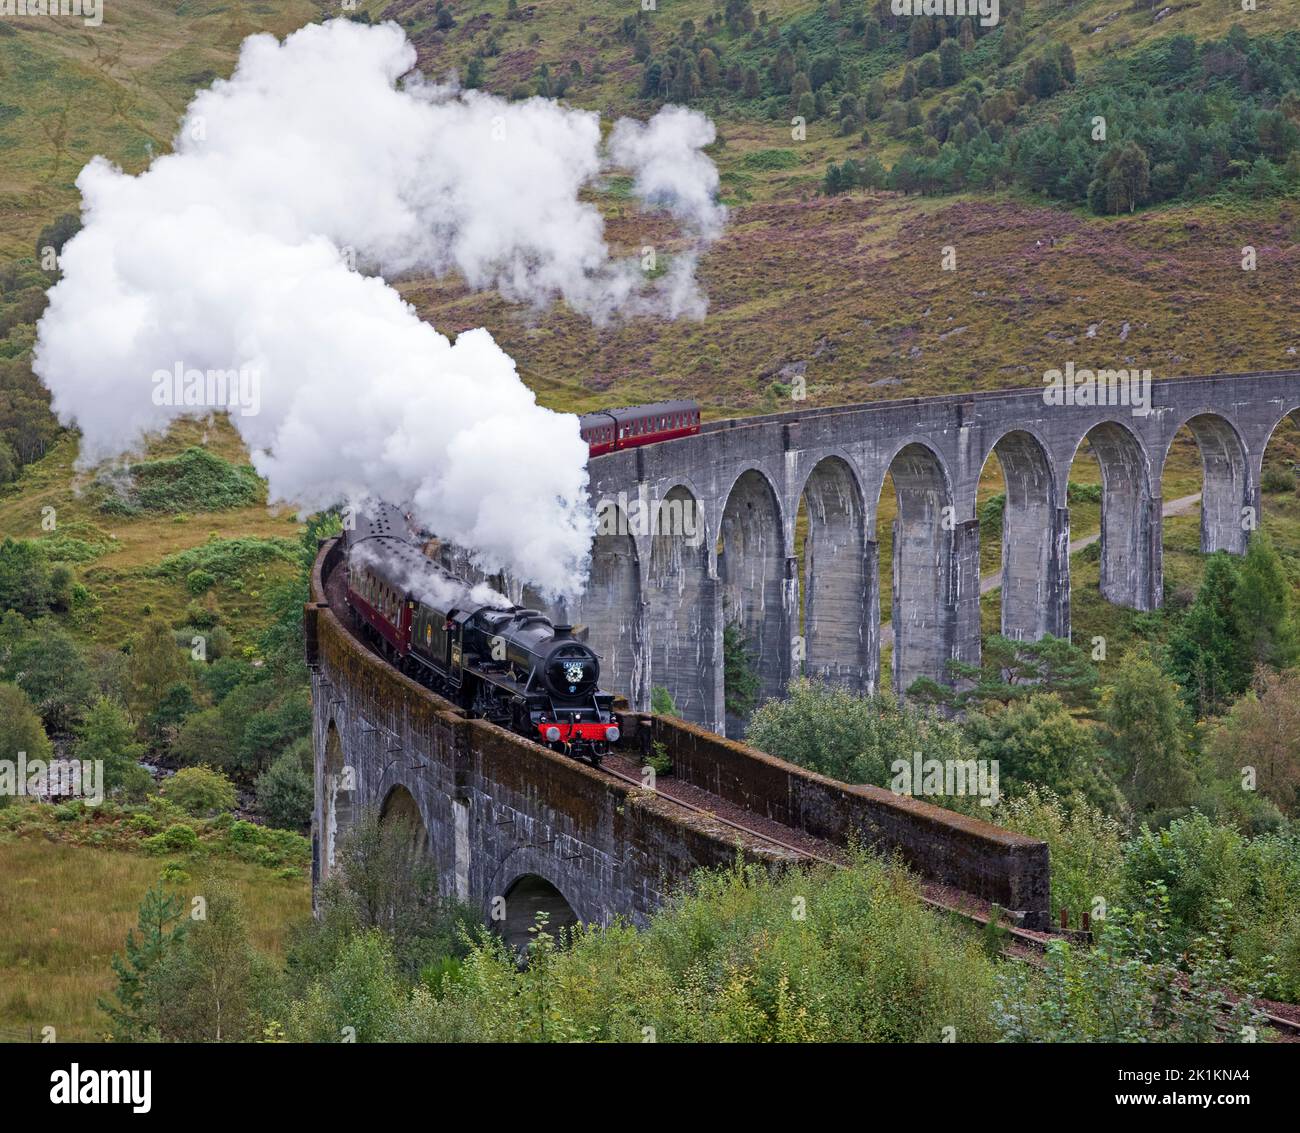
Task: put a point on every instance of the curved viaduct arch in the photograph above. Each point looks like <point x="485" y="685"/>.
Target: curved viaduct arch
<point x="681" y="599"/>
<point x="836" y="583"/>
<point x="400" y="809"/>
<point x="751" y="574"/>
<point x="1130" y="520"/>
<point x="923" y="565"/>
<point x="527" y="897"/>
<point x="1225" y="484"/>
<point x="1029" y="526"/>
<point x="529" y="880"/>
<point x="1256" y="461"/>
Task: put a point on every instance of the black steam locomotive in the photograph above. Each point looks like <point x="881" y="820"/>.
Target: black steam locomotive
<point x="506" y="664"/>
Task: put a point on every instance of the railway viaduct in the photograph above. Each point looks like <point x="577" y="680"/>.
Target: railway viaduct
<point x="701" y="531"/>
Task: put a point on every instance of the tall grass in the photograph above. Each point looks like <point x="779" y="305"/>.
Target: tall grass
<point x="65" y="910"/>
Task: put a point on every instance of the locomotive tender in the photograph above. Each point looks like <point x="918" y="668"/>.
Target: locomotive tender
<point x="503" y="663"/>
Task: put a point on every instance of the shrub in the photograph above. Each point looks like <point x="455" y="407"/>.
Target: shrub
<point x="1085" y="845"/>
<point x="193" y="480"/>
<point x="1277" y="479"/>
<point x="199" y="580"/>
<point x="177" y="837"/>
<point x="662" y="703"/>
<point x="771" y="159"/>
<point x="200" y="791"/>
<point x="225" y="560"/>
<point x="1132" y="987"/>
<point x="725" y="962"/>
<point x="285" y="789"/>
<point x="855" y="738"/>
<point x="1198" y="863"/>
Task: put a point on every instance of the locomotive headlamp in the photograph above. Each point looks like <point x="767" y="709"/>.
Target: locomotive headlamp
<point x="612" y="733"/>
<point x="552" y="734"/>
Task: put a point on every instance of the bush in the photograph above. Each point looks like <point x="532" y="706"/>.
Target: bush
<point x="198" y="580"/>
<point x="1198" y="863"/>
<point x="1132" y="987"/>
<point x="178" y="837"/>
<point x="285" y="789"/>
<point x="771" y="159"/>
<point x="1085" y="846"/>
<point x="725" y="962"/>
<point x="194" y="480"/>
<point x="1275" y="480"/>
<point x="854" y="738"/>
<point x="200" y="791"/>
<point x="225" y="560"/>
<point x="662" y="703"/>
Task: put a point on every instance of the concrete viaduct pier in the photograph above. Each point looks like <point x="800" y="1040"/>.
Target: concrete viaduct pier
<point x="701" y="531"/>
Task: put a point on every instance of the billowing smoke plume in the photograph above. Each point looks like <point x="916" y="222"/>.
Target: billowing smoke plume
<point x="430" y="585"/>
<point x="223" y="276"/>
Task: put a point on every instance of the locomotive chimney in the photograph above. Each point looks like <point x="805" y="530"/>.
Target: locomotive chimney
<point x="563" y="631"/>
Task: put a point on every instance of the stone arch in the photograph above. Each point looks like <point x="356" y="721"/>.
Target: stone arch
<point x="835" y="578"/>
<point x="1273" y="451"/>
<point x="610" y="608"/>
<point x="399" y="808"/>
<point x="1225" y="484"/>
<point x="338" y="799"/>
<point x="680" y="596"/>
<point x="1292" y="414"/>
<point x="527" y="896"/>
<point x="752" y="572"/>
<point x="1028" y="535"/>
<point x="922" y="574"/>
<point x="1130" y="521"/>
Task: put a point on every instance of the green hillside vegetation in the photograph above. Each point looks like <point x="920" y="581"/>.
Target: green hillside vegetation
<point x="152" y="606"/>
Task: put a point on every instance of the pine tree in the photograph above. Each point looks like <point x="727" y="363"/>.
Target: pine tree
<point x="1204" y="655"/>
<point x="1262" y="608"/>
<point x="1144" y="717"/>
<point x="162" y="925"/>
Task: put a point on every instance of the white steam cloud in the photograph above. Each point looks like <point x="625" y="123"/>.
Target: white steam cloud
<point x="223" y="277"/>
<point x="430" y="585"/>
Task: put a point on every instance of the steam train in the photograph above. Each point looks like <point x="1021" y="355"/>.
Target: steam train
<point x="503" y="663"/>
<point x="613" y="429"/>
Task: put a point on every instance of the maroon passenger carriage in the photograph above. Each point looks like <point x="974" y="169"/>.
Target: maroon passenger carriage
<point x="609" y="430"/>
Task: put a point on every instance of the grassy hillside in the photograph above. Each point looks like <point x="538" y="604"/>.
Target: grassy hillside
<point x="65" y="911"/>
<point x="118" y="556"/>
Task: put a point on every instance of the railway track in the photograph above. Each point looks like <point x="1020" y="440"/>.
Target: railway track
<point x="1020" y="944"/>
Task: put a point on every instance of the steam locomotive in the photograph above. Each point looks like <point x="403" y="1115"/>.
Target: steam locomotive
<point x="503" y="663"/>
